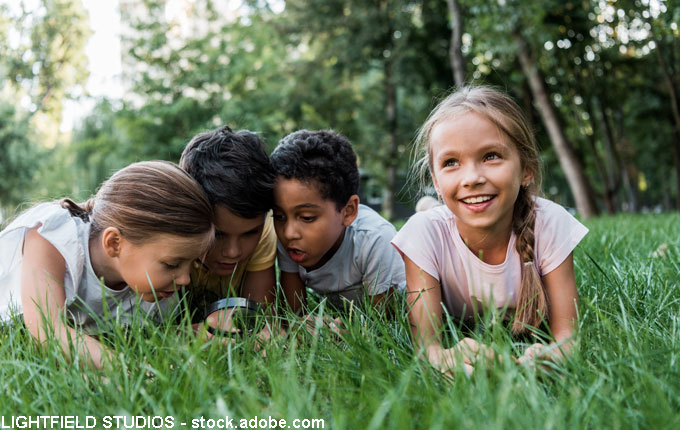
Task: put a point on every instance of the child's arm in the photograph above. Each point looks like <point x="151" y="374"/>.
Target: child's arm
<point x="560" y="285"/>
<point x="43" y="297"/>
<point x="423" y="293"/>
<point x="293" y="290"/>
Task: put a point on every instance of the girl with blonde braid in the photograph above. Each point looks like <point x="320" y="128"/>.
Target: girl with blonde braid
<point x="493" y="243"/>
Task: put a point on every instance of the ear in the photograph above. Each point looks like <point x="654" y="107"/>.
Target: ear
<point x="527" y="178"/>
<point x="350" y="211"/>
<point x="436" y="185"/>
<point x="111" y="241"/>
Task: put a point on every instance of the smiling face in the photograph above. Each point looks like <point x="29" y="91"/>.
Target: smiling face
<point x="164" y="261"/>
<point x="309" y="227"/>
<point x="235" y="240"/>
<point x="477" y="171"/>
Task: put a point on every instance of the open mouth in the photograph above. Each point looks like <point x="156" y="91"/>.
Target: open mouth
<point x="165" y="294"/>
<point x="296" y="255"/>
<point x="476" y="199"/>
<point x="226" y="266"/>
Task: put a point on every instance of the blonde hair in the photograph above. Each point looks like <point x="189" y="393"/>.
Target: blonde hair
<point x="504" y="113"/>
<point x="145" y="199"/>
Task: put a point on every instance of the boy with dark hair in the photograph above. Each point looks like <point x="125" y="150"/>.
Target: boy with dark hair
<point x="327" y="240"/>
<point x="234" y="170"/>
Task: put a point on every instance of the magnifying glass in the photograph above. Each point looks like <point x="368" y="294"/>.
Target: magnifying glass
<point x="244" y="315"/>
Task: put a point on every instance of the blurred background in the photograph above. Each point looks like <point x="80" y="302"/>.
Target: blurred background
<point x="89" y="86"/>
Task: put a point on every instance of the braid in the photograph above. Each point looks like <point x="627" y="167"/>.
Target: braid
<point x="532" y="303"/>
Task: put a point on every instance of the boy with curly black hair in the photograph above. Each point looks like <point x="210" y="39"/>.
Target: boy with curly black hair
<point x="327" y="240"/>
<point x="234" y="170"/>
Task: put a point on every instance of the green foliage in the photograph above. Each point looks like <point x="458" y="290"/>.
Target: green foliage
<point x="18" y="157"/>
<point x="45" y="58"/>
<point x="334" y="64"/>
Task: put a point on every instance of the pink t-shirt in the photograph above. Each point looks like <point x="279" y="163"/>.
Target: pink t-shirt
<point x="431" y="240"/>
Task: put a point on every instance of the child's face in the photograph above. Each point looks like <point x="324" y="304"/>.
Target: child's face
<point x="235" y="240"/>
<point x="164" y="261"/>
<point x="309" y="227"/>
<point x="477" y="171"/>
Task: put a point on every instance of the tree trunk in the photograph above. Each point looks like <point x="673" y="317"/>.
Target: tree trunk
<point x="617" y="172"/>
<point x="602" y="170"/>
<point x="676" y="162"/>
<point x="391" y="165"/>
<point x="455" y="49"/>
<point x="580" y="187"/>
<point x="628" y="168"/>
<point x="673" y="93"/>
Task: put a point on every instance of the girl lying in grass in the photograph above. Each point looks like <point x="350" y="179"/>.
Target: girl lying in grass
<point x="125" y="249"/>
<point x="494" y="243"/>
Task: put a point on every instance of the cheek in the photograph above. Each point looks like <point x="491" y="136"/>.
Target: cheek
<point x="214" y="252"/>
<point x="249" y="245"/>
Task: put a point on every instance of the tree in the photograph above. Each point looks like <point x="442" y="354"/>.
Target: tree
<point x="455" y="51"/>
<point x="18" y="158"/>
<point x="515" y="29"/>
<point x="44" y="60"/>
<point x="372" y="42"/>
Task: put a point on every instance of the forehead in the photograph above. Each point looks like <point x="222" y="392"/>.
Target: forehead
<point x="166" y="245"/>
<point x="290" y="193"/>
<point x="227" y="221"/>
<point x="466" y="132"/>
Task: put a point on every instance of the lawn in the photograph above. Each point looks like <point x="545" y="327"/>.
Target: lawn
<point x="625" y="373"/>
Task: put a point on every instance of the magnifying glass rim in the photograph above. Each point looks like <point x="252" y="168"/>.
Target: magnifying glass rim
<point x="248" y="305"/>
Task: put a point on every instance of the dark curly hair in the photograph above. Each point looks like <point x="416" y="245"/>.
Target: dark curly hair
<point x="233" y="168"/>
<point x="324" y="157"/>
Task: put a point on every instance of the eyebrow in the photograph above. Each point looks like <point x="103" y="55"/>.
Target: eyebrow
<point x="483" y="148"/>
<point x="307" y="206"/>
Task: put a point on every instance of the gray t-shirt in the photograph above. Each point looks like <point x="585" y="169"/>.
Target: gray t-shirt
<point x="365" y="259"/>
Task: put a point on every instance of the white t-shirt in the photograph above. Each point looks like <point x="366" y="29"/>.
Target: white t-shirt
<point x="431" y="240"/>
<point x="87" y="298"/>
<point x="365" y="258"/>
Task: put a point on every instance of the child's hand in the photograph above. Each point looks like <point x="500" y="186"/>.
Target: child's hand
<point x="448" y="360"/>
<point x="335" y="325"/>
<point x="219" y="321"/>
<point x="264" y="336"/>
<point x="534" y="351"/>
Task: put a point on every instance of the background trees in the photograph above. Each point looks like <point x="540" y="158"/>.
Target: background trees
<point x="599" y="79"/>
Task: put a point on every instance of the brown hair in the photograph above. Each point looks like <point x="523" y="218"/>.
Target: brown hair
<point x="501" y="110"/>
<point x="145" y="199"/>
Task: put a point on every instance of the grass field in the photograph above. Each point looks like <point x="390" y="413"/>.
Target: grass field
<point x="625" y="373"/>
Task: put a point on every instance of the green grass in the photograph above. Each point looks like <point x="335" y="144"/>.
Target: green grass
<point x="625" y="373"/>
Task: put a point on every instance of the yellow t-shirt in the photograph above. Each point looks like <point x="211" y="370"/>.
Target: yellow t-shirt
<point x="206" y="287"/>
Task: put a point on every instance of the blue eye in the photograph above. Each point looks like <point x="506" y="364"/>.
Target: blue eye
<point x="492" y="156"/>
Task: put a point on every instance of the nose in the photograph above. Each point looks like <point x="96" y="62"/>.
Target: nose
<point x="290" y="231"/>
<point x="184" y="277"/>
<point x="473" y="175"/>
<point x="231" y="248"/>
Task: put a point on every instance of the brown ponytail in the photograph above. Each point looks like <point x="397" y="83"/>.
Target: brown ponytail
<point x="145" y="199"/>
<point x="82" y="210"/>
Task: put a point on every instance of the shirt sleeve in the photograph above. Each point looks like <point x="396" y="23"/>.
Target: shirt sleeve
<point x="265" y="253"/>
<point x="557" y="235"/>
<point x="383" y="267"/>
<point x="286" y="264"/>
<point x="417" y="240"/>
